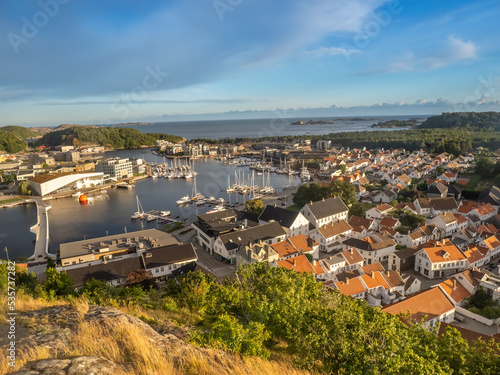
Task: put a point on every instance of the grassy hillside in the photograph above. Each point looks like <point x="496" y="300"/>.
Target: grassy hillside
<point x="115" y="137"/>
<point x="272" y="313"/>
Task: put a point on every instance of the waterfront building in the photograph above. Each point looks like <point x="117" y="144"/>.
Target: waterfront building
<point x="160" y="262"/>
<point x="45" y="184"/>
<point x="124" y="245"/>
<point x="116" y="167"/>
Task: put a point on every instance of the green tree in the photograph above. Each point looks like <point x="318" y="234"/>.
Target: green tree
<point x="484" y="167"/>
<point x="344" y="191"/>
<point x="311" y="193"/>
<point x="24" y="188"/>
<point x="58" y="283"/>
<point x="255" y="206"/>
<point x="342" y="168"/>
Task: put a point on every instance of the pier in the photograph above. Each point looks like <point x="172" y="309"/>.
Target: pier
<point x="41" y="229"/>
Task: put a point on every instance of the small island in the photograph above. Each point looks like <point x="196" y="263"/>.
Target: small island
<point x="352" y="119"/>
<point x="396" y="124"/>
<point x="312" y="122"/>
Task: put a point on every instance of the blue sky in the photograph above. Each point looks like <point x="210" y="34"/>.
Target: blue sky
<point x="76" y="61"/>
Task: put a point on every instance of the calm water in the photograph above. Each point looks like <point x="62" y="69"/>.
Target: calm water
<point x="259" y="127"/>
<point x="70" y="221"/>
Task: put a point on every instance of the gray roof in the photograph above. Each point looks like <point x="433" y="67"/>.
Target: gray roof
<point x="218" y="215"/>
<point x="71" y="249"/>
<point x="405" y="253"/>
<point x="491" y="195"/>
<point x="437" y="188"/>
<point x="244" y="237"/>
<point x="285" y="217"/>
<point x="106" y="271"/>
<point x="164" y="255"/>
<point x="327" y="207"/>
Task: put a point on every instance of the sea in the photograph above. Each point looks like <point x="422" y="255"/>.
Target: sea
<point x="109" y="213"/>
<point x="258" y="128"/>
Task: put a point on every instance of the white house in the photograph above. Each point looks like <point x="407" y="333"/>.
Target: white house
<point x="294" y="223"/>
<point x="325" y="211"/>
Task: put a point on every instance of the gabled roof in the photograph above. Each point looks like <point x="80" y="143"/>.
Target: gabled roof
<point x="491" y="195"/>
<point x="327" y="207"/>
<point x="299" y="264"/>
<point x="441" y="254"/>
<point x="448" y="217"/>
<point x="160" y="256"/>
<point x="361" y="222"/>
<point x="485" y="209"/>
<point x="426" y="305"/>
<point x="374" y="280"/>
<point x="352" y="256"/>
<point x="286" y="218"/>
<point x="389" y="222"/>
<point x="334" y="229"/>
<point x="393" y="279"/>
<point x="455" y="290"/>
<point x="437" y="188"/>
<point x="116" y="269"/>
<point x="492" y="242"/>
<point x="372" y="267"/>
<point x="350" y="286"/>
<point x="243" y="237"/>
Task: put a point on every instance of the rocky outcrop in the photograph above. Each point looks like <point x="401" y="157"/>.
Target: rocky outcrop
<point x="75" y="366"/>
<point x="55" y="329"/>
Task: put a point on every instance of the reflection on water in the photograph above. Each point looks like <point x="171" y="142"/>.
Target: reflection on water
<point x="70" y="221"/>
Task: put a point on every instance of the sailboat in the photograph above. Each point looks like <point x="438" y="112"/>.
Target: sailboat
<point x="196" y="196"/>
<point x="139" y="214"/>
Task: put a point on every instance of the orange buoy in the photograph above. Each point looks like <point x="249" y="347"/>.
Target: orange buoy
<point x="83" y="199"/>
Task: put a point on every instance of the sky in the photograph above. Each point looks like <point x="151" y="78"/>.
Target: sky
<point x="113" y="61"/>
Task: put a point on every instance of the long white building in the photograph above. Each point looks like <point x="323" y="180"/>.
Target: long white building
<point x="62" y="182"/>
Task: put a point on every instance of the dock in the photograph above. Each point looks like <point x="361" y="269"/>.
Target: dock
<point x="41" y="230"/>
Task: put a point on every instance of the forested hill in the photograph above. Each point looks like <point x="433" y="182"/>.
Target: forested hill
<point x="473" y="120"/>
<point x="20" y="131"/>
<point x="105" y="136"/>
<point x="10" y="142"/>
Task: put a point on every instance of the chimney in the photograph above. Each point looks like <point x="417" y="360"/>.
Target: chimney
<point x="309" y="242"/>
<point x="311" y="202"/>
<point x="347" y="280"/>
<point x="352" y="250"/>
<point x="323" y="199"/>
<point x="454" y="284"/>
<point x="294" y="262"/>
<point x="373" y="273"/>
<point x="314" y="262"/>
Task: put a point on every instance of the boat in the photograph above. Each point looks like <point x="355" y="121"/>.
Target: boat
<point x="200" y="202"/>
<point x="164" y="213"/>
<point x="184" y="200"/>
<point x="139" y="214"/>
<point x="219" y="207"/>
<point x="124" y="185"/>
<point x="150" y="217"/>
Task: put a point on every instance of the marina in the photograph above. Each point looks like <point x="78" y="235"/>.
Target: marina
<point x="110" y="212"/>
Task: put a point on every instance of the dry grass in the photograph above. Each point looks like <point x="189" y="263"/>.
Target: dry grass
<point x="134" y="352"/>
<point x="25" y="303"/>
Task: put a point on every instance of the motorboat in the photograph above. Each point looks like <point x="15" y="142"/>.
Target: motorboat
<point x="164" y="213"/>
<point x="185" y="199"/>
<point x="200" y="202"/>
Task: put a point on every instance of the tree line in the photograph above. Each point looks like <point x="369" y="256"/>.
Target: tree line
<point x="113" y="137"/>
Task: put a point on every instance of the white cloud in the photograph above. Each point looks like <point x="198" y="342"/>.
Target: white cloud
<point x="328" y="51"/>
<point x="451" y="52"/>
